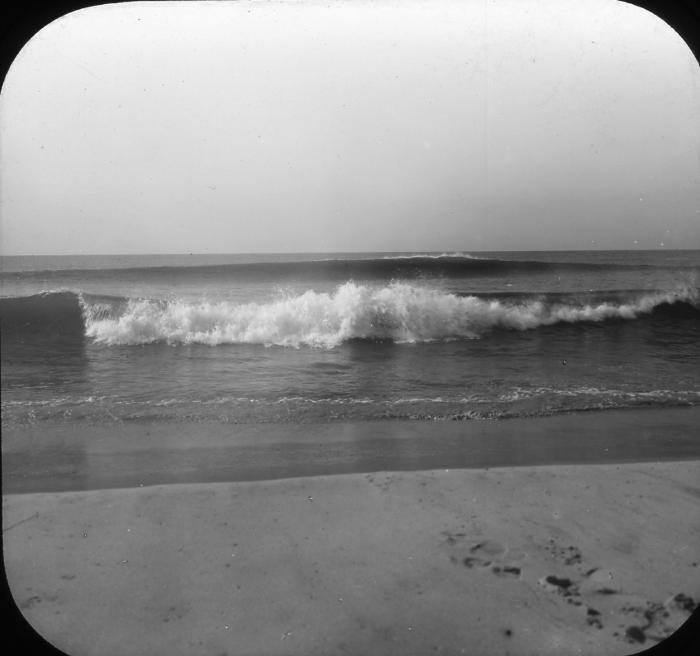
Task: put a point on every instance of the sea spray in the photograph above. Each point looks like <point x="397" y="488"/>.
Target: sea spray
<point x="397" y="312"/>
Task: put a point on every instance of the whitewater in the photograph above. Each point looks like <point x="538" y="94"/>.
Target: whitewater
<point x="398" y="312"/>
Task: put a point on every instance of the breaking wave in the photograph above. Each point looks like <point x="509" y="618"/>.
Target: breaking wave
<point x="398" y="312"/>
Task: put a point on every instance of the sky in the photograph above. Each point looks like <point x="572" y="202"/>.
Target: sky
<point x="308" y="126"/>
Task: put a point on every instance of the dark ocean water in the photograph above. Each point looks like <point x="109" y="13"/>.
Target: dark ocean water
<point x="312" y="338"/>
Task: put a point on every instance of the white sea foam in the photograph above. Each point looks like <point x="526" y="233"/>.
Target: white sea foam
<point x="434" y="256"/>
<point x="399" y="312"/>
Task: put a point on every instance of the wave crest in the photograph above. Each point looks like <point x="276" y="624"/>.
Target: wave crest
<point x="398" y="312"/>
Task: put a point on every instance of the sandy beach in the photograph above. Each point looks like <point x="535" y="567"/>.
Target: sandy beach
<point x="576" y="559"/>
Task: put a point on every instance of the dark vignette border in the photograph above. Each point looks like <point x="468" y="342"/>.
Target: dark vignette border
<point x="23" y="20"/>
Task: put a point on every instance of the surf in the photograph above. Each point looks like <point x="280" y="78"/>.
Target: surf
<point x="398" y="312"/>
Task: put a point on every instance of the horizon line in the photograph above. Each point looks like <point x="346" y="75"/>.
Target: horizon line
<point x="356" y="252"/>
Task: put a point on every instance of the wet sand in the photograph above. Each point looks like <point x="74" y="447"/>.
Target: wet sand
<point x="73" y="455"/>
<point x="575" y="559"/>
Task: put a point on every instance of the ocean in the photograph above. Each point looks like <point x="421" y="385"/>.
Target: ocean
<point x="308" y="338"/>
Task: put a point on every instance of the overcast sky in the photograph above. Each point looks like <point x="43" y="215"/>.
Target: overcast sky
<point x="351" y="126"/>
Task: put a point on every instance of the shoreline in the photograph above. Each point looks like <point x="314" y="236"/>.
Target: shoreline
<point x="520" y="560"/>
<point x="56" y="457"/>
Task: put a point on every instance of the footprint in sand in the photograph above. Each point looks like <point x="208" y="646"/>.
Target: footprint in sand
<point x="571" y="589"/>
<point x="593" y="617"/>
<point x="638" y="619"/>
<point x="561" y="585"/>
<point x="481" y="555"/>
<point x="655" y="621"/>
<point x="569" y="555"/>
<point x="506" y="571"/>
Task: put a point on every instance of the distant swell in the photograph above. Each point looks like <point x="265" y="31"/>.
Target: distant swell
<point x="451" y="265"/>
<point x="398" y="312"/>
